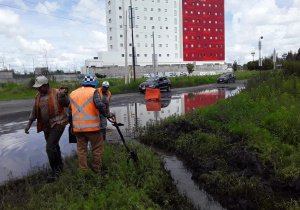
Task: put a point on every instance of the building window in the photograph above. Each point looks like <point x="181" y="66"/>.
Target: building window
<point x="120" y="17"/>
<point x="151" y="18"/>
<point x="121" y="45"/>
<point x="109" y="20"/>
<point x="168" y="55"/>
<point x="145" y="55"/>
<point x="110" y="38"/>
<point x="153" y="27"/>
<point x="120" y="8"/>
<point x="111" y="46"/>
<point x="123" y="55"/>
<point x="121" y="35"/>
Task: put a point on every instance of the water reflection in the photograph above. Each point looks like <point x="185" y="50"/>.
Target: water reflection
<point x="21" y="152"/>
<point x="134" y="116"/>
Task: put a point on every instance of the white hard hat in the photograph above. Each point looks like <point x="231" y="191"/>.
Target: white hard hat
<point x="39" y="81"/>
<point x="105" y="84"/>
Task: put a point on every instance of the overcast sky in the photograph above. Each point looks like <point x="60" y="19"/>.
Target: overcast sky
<point x="64" y="33"/>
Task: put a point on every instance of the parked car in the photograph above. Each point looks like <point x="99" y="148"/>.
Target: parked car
<point x="226" y="78"/>
<point x="183" y="74"/>
<point x="163" y="83"/>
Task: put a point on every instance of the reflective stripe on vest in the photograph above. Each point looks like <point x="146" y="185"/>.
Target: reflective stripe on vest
<point x="85" y="115"/>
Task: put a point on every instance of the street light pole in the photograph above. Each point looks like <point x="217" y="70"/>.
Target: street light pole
<point x="253" y="53"/>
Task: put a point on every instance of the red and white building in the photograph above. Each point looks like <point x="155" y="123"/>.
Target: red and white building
<point x="185" y="31"/>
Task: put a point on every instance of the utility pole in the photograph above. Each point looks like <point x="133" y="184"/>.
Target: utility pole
<point x="274" y="58"/>
<point x="259" y="48"/>
<point x="154" y="56"/>
<point x="253" y="53"/>
<point x="132" y="40"/>
<point x="127" y="75"/>
<point x="33" y="65"/>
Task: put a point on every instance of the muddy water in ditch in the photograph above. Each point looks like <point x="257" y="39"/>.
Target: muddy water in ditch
<point x="20" y="153"/>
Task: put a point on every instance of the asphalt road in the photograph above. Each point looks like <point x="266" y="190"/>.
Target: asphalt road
<point x="20" y="109"/>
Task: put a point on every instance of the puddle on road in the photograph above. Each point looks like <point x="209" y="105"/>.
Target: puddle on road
<point x="20" y="152"/>
<point x="136" y="115"/>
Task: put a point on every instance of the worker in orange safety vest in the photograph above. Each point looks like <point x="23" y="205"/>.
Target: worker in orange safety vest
<point x="86" y="108"/>
<point x="51" y="117"/>
<point x="105" y="96"/>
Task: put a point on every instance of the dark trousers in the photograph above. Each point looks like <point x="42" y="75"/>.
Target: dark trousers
<point x="103" y="133"/>
<point x="52" y="137"/>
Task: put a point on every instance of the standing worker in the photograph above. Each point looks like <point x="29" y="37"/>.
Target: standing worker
<point x="51" y="118"/>
<point x="105" y="96"/>
<point x="86" y="108"/>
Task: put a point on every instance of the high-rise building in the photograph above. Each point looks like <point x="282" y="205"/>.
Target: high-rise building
<point x="184" y="31"/>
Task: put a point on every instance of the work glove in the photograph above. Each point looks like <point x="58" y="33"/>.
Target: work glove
<point x="27" y="129"/>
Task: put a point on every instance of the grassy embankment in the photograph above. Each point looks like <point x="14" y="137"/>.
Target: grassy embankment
<point x="121" y="186"/>
<point x="25" y="91"/>
<point x="245" y="150"/>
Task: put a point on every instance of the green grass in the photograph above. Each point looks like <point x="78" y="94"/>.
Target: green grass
<point x="117" y="85"/>
<point x="121" y="186"/>
<point x="244" y="150"/>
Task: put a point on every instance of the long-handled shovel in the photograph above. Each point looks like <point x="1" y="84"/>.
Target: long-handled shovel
<point x="131" y="153"/>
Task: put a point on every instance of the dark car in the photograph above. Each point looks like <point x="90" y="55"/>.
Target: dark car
<point x="163" y="83"/>
<point x="226" y="78"/>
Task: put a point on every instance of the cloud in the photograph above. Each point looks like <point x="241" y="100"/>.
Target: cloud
<point x="10" y="23"/>
<point x="40" y="45"/>
<point x="90" y="9"/>
<point x="47" y="7"/>
<point x="279" y="25"/>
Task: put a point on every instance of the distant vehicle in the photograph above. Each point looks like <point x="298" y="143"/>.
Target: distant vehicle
<point x="170" y="74"/>
<point x="147" y="75"/>
<point x="163" y="83"/>
<point x="183" y="74"/>
<point x="226" y="78"/>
